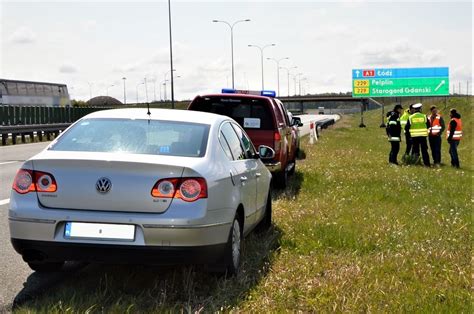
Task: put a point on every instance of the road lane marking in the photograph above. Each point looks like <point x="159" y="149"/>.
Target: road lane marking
<point x="4" y="202"/>
<point x="8" y="162"/>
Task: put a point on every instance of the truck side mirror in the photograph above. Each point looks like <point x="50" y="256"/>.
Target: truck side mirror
<point x="266" y="152"/>
<point x="296" y="121"/>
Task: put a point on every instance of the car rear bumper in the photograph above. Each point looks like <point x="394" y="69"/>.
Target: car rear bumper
<point x="146" y="233"/>
<point x="32" y="250"/>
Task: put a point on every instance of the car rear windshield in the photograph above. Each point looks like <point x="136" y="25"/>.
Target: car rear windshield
<point x="154" y="137"/>
<point x="249" y="113"/>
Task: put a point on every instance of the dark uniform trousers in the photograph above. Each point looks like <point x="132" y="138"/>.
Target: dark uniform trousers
<point x="435" y="145"/>
<point x="392" y="157"/>
<point x="420" y="142"/>
<point x="409" y="144"/>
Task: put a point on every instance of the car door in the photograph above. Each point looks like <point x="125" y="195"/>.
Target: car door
<point x="243" y="171"/>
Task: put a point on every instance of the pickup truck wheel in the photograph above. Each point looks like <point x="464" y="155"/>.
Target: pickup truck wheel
<point x="46" y="267"/>
<point x="281" y="179"/>
<point x="293" y="169"/>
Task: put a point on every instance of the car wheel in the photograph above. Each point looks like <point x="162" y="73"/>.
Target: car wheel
<point x="266" y="222"/>
<point x="46" y="267"/>
<point x="234" y="248"/>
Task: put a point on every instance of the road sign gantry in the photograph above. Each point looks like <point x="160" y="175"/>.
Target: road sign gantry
<point x="399" y="82"/>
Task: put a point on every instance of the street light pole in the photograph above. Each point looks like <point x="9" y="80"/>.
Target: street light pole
<point x="124" y="91"/>
<point x="137" y="89"/>
<point x="166" y="80"/>
<point x="146" y="89"/>
<point x="154" y="89"/>
<point x="288" y="77"/>
<point x="163" y="83"/>
<point x="231" y="26"/>
<point x="277" y="61"/>
<point x="108" y="89"/>
<point x="261" y="59"/>
<point x="171" y="56"/>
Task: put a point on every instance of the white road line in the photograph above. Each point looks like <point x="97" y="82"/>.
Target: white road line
<point x="8" y="162"/>
<point x="4" y="202"/>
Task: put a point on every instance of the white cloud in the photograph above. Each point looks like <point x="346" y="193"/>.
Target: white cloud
<point x="23" y="35"/>
<point x="332" y="31"/>
<point x="89" y="25"/>
<point x="398" y="53"/>
<point x="67" y="69"/>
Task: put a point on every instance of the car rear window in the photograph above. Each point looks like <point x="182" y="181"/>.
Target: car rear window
<point x="249" y="113"/>
<point x="154" y="137"/>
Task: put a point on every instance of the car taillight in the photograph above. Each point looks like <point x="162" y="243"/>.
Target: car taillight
<point x="187" y="189"/>
<point x="277" y="141"/>
<point x="27" y="180"/>
<point x="165" y="188"/>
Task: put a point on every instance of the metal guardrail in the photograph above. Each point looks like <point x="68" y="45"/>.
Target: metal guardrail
<point x="40" y="130"/>
<point x="37" y="120"/>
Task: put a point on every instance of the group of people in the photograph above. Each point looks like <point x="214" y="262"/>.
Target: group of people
<point x="417" y="128"/>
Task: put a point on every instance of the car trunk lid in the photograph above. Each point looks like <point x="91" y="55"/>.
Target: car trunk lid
<point x="105" y="181"/>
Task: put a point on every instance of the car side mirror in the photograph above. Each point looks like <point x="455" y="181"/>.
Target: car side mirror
<point x="297" y="121"/>
<point x="266" y="152"/>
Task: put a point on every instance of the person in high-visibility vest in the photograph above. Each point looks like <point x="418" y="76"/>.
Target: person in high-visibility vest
<point x="403" y="123"/>
<point x="434" y="134"/>
<point x="394" y="131"/>
<point x="454" y="135"/>
<point x="417" y="126"/>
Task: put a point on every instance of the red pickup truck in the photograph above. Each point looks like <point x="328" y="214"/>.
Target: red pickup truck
<point x="266" y="121"/>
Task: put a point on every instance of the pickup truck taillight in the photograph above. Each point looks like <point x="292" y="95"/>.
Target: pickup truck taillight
<point x="277" y="141"/>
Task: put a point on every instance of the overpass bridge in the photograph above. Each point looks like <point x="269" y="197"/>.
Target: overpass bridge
<point x="336" y="103"/>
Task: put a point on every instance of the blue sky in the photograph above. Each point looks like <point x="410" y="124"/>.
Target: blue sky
<point x="95" y="44"/>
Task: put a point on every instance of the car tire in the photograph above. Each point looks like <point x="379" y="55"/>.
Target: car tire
<point x="266" y="222"/>
<point x="233" y="253"/>
<point x="46" y="267"/>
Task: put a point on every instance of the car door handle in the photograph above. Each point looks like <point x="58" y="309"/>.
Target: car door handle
<point x="243" y="179"/>
<point x="258" y="174"/>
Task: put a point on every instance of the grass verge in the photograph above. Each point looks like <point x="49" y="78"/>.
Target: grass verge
<point x="350" y="234"/>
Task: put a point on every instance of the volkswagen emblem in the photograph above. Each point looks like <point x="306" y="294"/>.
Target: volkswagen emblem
<point x="103" y="185"/>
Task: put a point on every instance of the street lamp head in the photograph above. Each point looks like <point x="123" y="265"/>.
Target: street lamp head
<point x="215" y="21"/>
<point x="273" y="45"/>
<point x="247" y="20"/>
<point x="124" y="78"/>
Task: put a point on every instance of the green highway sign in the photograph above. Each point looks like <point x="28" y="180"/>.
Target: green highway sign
<point x="400" y="82"/>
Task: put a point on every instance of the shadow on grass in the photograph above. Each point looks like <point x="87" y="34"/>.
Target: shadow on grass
<point x="140" y="288"/>
<point x="293" y="188"/>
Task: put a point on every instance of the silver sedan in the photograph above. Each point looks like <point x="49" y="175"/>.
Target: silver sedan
<point x="128" y="186"/>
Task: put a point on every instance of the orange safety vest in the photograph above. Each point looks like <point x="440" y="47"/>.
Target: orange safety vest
<point x="458" y="132"/>
<point x="435" y="125"/>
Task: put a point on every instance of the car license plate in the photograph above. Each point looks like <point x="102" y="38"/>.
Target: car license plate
<point x="99" y="231"/>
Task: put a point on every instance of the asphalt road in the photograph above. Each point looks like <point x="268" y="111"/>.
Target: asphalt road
<point x="13" y="271"/>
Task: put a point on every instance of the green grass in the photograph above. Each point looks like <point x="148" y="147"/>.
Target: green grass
<point x="352" y="234"/>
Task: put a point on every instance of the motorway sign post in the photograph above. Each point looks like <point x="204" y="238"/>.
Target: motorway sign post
<point x="400" y="82"/>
